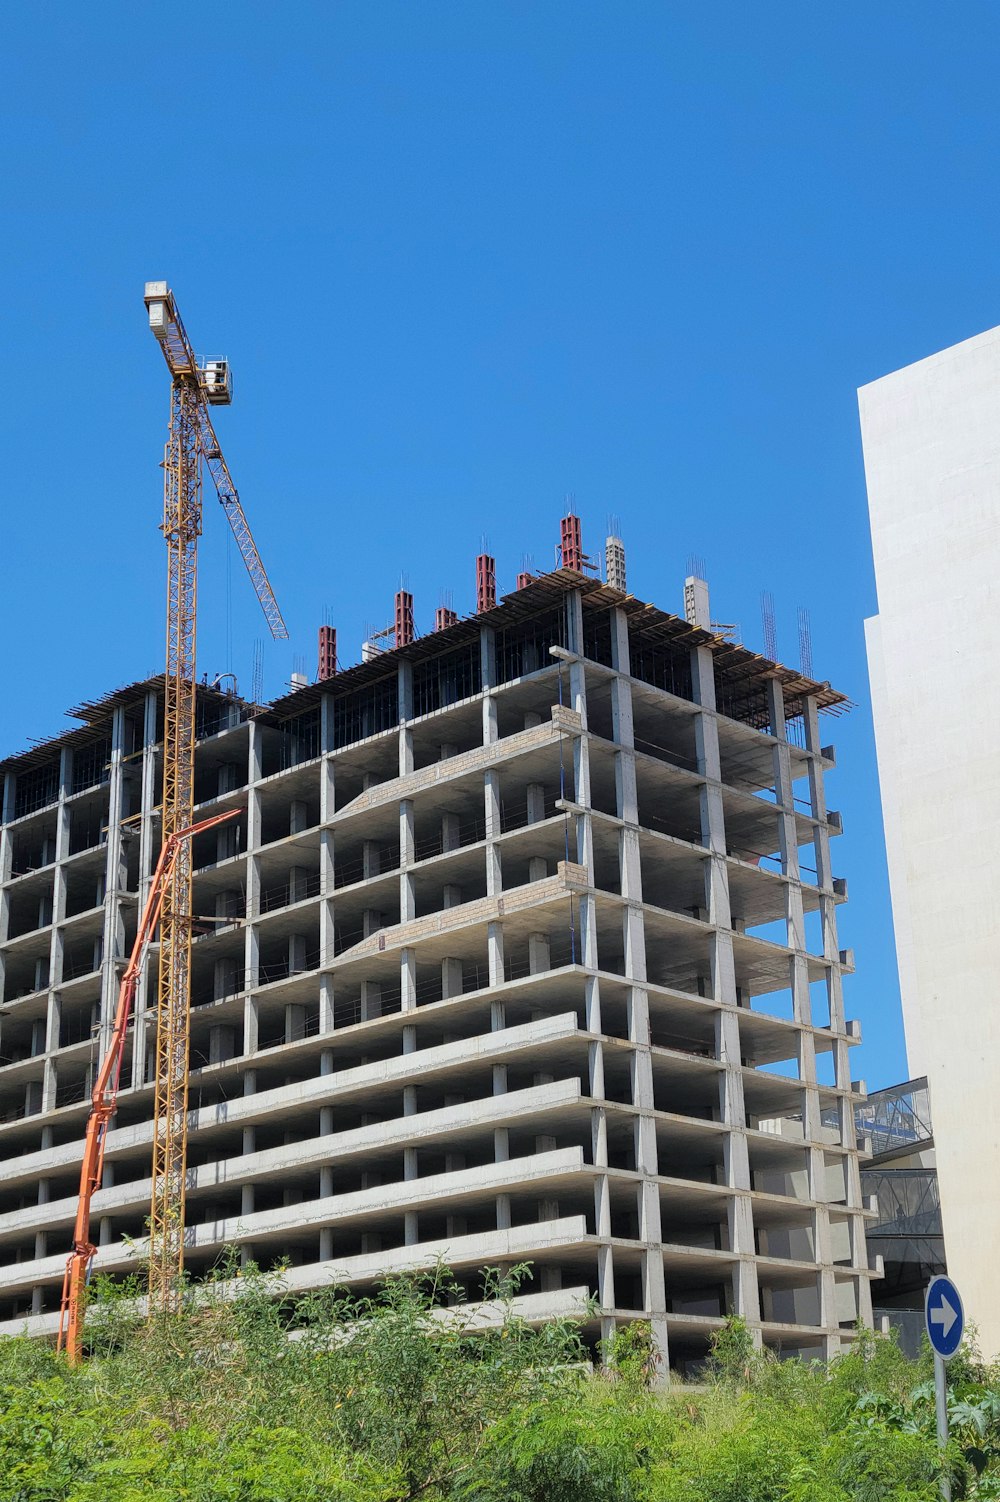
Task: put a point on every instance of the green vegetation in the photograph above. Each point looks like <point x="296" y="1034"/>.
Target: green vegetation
<point x="391" y="1400"/>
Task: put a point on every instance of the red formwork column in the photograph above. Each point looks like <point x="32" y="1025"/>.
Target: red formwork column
<point x="404" y="618"/>
<point x="327" y="652"/>
<point x="571" y="542"/>
<point x="486" y="583"/>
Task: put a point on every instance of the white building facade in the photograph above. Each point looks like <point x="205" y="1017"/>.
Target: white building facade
<point x="931" y="436"/>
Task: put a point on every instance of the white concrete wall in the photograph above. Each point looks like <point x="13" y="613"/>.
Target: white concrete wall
<point x="931" y="438"/>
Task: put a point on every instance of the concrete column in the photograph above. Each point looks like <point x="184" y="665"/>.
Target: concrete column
<point x="326" y="733"/>
<point x="298" y="961"/>
<point x="495" y="953"/>
<point x="221" y="1043"/>
<point x="326" y="1003"/>
<point x="583" y="942"/>
<point x="405" y="689"/>
<point x="736" y="1167"/>
<point x="45" y="1040"/>
<point x="326" y="1173"/>
<point x="599" y="1147"/>
<point x="6" y="866"/>
<point x="411" y="1168"/>
<point x="251" y="950"/>
<point x="494" y="875"/>
<point x="251" y="1024"/>
<point x="149" y="797"/>
<point x="789" y="846"/>
<point x="62" y="849"/>
<point x="116" y="880"/>
<point x="327" y="866"/>
<point x="407" y="903"/>
<point x="226" y="845"/>
<point x="630" y="881"/>
<point x="226" y="905"/>
<point x="451" y="977"/>
<point x="53" y="968"/>
<point x="539" y="954"/>
<point x="648" y="1199"/>
<point x="408" y="980"/>
<point x="295" y="1022"/>
<point x="488" y="672"/>
<point x="802" y="1006"/>
<point x="536" y="802"/>
<point x="722" y="979"/>
<point x="247" y="1192"/>
<point x="225" y="978"/>
<point x="824" y="870"/>
<point x="50" y="1041"/>
<point x="501" y="1135"/>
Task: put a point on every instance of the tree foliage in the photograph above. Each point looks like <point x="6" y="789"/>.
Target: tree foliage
<point x="247" y="1396"/>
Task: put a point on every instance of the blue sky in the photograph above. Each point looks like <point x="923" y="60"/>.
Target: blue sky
<point x="466" y="259"/>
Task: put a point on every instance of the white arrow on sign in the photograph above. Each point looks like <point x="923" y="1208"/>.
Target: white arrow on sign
<point x="945" y="1316"/>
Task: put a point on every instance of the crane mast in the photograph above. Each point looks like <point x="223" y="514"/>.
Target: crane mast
<point x="181" y="529"/>
<point x="190" y="442"/>
<point x="105" y="1093"/>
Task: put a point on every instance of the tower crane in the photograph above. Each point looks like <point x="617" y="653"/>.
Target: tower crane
<point x="105" y="1094"/>
<point x="194" y="389"/>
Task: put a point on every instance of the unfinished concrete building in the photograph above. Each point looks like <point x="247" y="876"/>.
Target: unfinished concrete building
<point x="523" y="948"/>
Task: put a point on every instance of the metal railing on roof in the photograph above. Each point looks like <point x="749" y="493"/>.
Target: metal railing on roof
<point x="898" y="1118"/>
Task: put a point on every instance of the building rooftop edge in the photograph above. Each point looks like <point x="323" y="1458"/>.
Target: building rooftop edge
<point x="543" y="590"/>
<point x="936" y="357"/>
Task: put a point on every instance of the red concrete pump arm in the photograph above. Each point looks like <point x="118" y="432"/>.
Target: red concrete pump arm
<point x="105" y="1095"/>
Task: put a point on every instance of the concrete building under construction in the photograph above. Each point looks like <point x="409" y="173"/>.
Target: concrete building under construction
<point x="523" y="948"/>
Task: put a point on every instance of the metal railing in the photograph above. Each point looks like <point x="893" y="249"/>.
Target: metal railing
<point x="908" y="1201"/>
<point x="898" y="1118"/>
<point x="346" y="873"/>
<point x="286" y="969"/>
<point x="283" y="896"/>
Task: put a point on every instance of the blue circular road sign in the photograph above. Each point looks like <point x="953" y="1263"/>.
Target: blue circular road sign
<point x="944" y="1316"/>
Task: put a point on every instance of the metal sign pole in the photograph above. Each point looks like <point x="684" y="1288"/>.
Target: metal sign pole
<point x="941" y="1404"/>
<point x="944" y="1318"/>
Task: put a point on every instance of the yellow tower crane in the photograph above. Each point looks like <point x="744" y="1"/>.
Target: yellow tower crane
<point x="195" y="388"/>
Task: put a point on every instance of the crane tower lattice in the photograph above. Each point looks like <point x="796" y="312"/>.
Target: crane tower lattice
<point x="191" y="442"/>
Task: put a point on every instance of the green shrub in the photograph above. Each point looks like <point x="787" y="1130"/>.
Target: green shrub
<point x="248" y="1396"/>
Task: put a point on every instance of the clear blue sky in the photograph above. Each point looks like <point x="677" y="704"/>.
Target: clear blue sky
<point x="467" y="258"/>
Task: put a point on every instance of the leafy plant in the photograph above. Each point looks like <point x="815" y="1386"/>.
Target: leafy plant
<point x="250" y="1395"/>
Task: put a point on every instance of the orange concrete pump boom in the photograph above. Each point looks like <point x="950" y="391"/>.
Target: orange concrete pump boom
<point x="105" y="1094"/>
